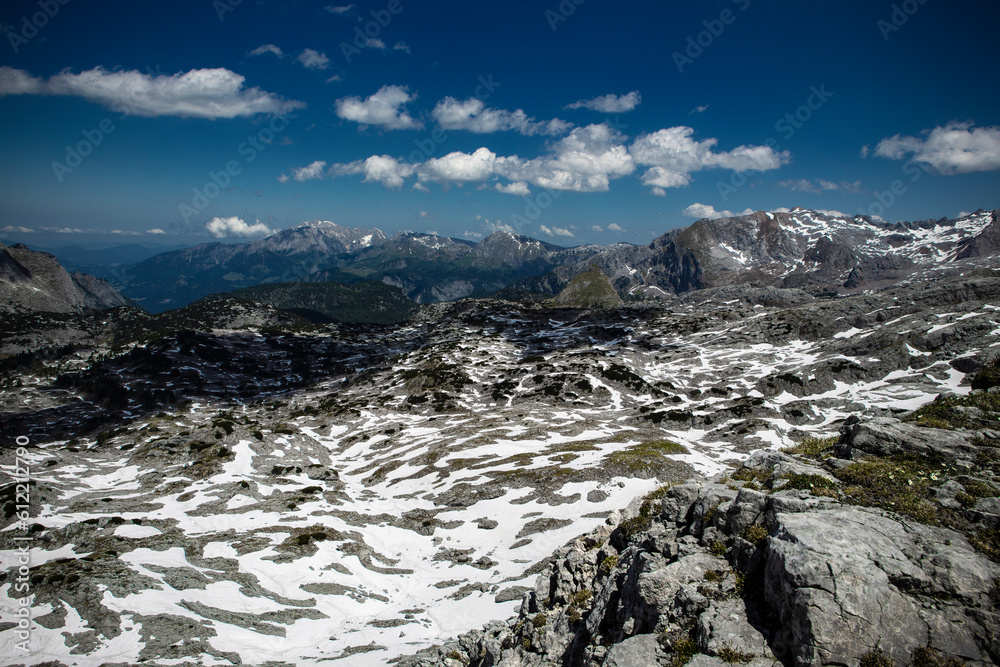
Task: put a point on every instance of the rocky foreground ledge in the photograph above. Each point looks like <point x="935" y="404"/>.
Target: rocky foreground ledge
<point x="876" y="548"/>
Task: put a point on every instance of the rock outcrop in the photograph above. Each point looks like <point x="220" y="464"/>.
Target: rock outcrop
<point x="775" y="564"/>
<point x="37" y="282"/>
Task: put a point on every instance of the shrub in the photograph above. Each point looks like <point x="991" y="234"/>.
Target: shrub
<point x="755" y="534"/>
<point x="540" y="620"/>
<point x="609" y="564"/>
<point x="875" y="659"/>
<point x="729" y="654"/>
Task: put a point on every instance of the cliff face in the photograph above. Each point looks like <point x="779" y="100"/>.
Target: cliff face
<point x="36" y="281"/>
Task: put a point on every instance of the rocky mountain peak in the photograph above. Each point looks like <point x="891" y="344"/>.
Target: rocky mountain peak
<point x="36" y="281"/>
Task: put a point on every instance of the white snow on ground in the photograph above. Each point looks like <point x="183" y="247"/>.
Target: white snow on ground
<point x="373" y="579"/>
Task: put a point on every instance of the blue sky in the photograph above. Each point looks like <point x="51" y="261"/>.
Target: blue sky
<point x="575" y="122"/>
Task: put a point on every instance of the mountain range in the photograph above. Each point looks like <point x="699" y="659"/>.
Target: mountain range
<point x="800" y="248"/>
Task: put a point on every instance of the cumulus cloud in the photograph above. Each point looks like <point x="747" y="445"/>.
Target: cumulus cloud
<point x="585" y="160"/>
<point x="519" y="188"/>
<point x="156" y="231"/>
<point x="458" y="167"/>
<point x="609" y="103"/>
<point x="672" y="155"/>
<point x="615" y="227"/>
<point x="313" y="59"/>
<point x="384" y="109"/>
<point x="268" y="48"/>
<point x="388" y="171"/>
<point x="701" y="211"/>
<point x="471" y="235"/>
<point x="200" y="93"/>
<point x="223" y="227"/>
<point x="555" y="231"/>
<point x="699" y="109"/>
<point x="401" y="46"/>
<point x="596" y="228"/>
<point x="309" y="172"/>
<point x="956" y="148"/>
<point x="472" y="115"/>
<point x="342" y="9"/>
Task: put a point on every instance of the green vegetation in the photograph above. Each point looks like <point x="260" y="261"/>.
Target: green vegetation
<point x="608" y="564"/>
<point x="756" y="534"/>
<point x="733" y="655"/>
<point x="540" y="620"/>
<point x="714" y="576"/>
<point x="817" y="485"/>
<point x="629" y="528"/>
<point x="926" y="656"/>
<point x="682" y="650"/>
<point x="875" y="659"/>
<point x="818" y="449"/>
<point x="590" y="289"/>
<point x="644" y="455"/>
<point x="948" y="412"/>
<point x="899" y="483"/>
<point x="718" y="548"/>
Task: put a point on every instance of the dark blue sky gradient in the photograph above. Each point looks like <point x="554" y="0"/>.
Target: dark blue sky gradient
<point x="940" y="67"/>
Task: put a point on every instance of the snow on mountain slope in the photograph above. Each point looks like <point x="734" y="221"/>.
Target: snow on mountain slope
<point x="412" y="499"/>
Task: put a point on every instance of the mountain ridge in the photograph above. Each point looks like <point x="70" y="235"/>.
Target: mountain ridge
<point x="797" y="248"/>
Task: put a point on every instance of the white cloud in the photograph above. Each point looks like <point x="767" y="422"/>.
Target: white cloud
<point x="609" y="103"/>
<point x="283" y="178"/>
<point x="471" y="235"/>
<point x="156" y="231"/>
<point x="200" y="93"/>
<point x="555" y="231"/>
<point x="335" y="78"/>
<point x="309" y="172"/>
<point x="956" y="148"/>
<point x="865" y="152"/>
<point x="401" y="46"/>
<point x="223" y="227"/>
<point x="375" y="43"/>
<point x="18" y="229"/>
<point x="615" y="227"/>
<point x="586" y="160"/>
<point x="425" y="214"/>
<point x="472" y="115"/>
<point x="268" y="48"/>
<point x="832" y="213"/>
<point x="383" y="109"/>
<point x="672" y="156"/>
<point x="519" y="188"/>
<point x="699" y="109"/>
<point x="458" y="167"/>
<point x="313" y="59"/>
<point x="700" y="211"/>
<point x="497" y="226"/>
<point x="388" y="171"/>
<point x="343" y="9"/>
<point x="420" y="187"/>
<point x="596" y="228"/>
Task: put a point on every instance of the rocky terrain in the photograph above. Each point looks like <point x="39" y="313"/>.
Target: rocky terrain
<point x="36" y="281"/>
<point x="812" y="250"/>
<point x="233" y="485"/>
